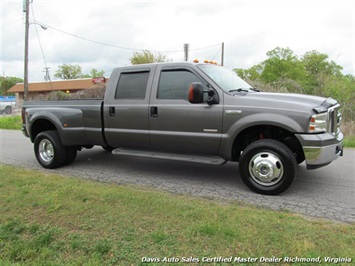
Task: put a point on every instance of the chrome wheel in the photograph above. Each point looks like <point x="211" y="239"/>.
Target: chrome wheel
<point x="46" y="150"/>
<point x="50" y="152"/>
<point x="266" y="169"/>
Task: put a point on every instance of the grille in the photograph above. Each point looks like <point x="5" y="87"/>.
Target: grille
<point x="334" y="117"/>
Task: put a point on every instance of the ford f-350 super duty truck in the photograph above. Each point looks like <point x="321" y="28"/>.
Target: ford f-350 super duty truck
<point x="194" y="112"/>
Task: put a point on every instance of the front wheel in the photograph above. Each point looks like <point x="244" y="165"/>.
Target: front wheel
<point x="8" y="110"/>
<point x="267" y="166"/>
<point x="49" y="150"/>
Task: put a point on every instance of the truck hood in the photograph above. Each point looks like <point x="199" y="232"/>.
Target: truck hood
<point x="290" y="101"/>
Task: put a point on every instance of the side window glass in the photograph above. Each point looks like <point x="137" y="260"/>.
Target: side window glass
<point x="132" y="85"/>
<point x="175" y="84"/>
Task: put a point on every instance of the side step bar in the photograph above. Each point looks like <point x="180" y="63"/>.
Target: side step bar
<point x="170" y="156"/>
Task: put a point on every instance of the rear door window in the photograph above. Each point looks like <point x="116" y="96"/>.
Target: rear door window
<point x="132" y="85"/>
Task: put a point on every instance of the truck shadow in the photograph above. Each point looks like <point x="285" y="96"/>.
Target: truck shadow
<point x="154" y="170"/>
<point x="103" y="166"/>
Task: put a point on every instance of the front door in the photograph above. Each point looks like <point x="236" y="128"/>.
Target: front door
<point x="176" y="125"/>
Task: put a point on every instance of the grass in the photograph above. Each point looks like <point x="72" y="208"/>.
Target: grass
<point x="55" y="220"/>
<point x="11" y="122"/>
<point x="349" y="142"/>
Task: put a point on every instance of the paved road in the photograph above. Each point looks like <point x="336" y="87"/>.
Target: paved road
<point x="328" y="192"/>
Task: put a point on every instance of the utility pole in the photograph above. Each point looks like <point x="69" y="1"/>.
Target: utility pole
<point x="47" y="77"/>
<point x="186" y="51"/>
<point x="27" y="25"/>
<point x="222" y="54"/>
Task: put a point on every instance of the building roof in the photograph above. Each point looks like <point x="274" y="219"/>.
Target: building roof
<point x="58" y="85"/>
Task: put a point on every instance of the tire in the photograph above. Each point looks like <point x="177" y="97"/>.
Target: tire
<point x="8" y="110"/>
<point x="49" y="150"/>
<point x="267" y="167"/>
<point x="71" y="155"/>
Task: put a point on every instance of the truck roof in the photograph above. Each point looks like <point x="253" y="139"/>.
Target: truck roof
<point x="182" y="63"/>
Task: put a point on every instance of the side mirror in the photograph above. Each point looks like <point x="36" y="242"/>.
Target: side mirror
<point x="197" y="94"/>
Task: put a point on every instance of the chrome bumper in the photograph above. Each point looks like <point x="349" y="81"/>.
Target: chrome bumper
<point x="321" y="149"/>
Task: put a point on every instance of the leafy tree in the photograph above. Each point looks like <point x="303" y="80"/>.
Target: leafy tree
<point x="252" y="73"/>
<point x="145" y="57"/>
<point x="341" y="88"/>
<point x="316" y="63"/>
<point x="282" y="66"/>
<point x="313" y="74"/>
<point x="94" y="73"/>
<point x="318" y="68"/>
<point x="68" y="72"/>
<point x="6" y="83"/>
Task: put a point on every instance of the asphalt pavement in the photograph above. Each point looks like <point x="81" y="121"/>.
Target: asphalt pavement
<point x="328" y="192"/>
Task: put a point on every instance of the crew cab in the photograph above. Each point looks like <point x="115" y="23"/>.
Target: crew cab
<point x="195" y="112"/>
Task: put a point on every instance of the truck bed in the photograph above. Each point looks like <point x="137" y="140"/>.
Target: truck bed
<point x="80" y="120"/>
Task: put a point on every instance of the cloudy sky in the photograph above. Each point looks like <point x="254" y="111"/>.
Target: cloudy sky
<point x="116" y="29"/>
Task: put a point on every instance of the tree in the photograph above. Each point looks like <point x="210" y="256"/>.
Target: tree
<point x="145" y="57"/>
<point x="6" y="83"/>
<point x="316" y="63"/>
<point x="318" y="69"/>
<point x="68" y="72"/>
<point x="282" y="64"/>
<point x="313" y="74"/>
<point x="252" y="73"/>
<point x="94" y="73"/>
<point x="341" y="88"/>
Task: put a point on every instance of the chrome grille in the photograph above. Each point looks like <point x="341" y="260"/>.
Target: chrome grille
<point x="334" y="117"/>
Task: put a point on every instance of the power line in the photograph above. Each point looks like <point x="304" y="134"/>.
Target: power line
<point x="117" y="46"/>
<point x="40" y="45"/>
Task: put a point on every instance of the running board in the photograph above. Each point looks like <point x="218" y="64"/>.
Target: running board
<point x="170" y="156"/>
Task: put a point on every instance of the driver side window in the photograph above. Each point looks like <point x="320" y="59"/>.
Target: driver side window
<point x="175" y="84"/>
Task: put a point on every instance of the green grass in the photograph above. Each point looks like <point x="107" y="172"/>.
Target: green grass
<point x="48" y="219"/>
<point x="11" y="122"/>
<point x="349" y="142"/>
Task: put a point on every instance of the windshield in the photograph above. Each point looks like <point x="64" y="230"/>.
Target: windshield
<point x="227" y="80"/>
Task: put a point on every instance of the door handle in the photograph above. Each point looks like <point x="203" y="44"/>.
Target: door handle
<point x="154" y="112"/>
<point x="112" y="111"/>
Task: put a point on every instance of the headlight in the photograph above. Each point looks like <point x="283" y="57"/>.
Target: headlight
<point x="318" y="123"/>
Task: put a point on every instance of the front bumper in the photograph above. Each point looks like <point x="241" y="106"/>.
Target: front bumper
<point x="321" y="149"/>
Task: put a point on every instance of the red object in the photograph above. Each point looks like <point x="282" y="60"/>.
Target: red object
<point x="99" y="80"/>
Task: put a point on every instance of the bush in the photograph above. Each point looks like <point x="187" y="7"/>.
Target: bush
<point x="96" y="92"/>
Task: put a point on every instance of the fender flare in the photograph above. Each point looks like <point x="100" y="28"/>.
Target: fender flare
<point x="264" y="119"/>
<point x="55" y="119"/>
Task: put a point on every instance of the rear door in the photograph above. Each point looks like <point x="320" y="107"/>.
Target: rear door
<point x="126" y="109"/>
<point x="176" y="125"/>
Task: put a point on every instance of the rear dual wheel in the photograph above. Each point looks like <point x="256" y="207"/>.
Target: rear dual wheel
<point x="267" y="166"/>
<point x="50" y="152"/>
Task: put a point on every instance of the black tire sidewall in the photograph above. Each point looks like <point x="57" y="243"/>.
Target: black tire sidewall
<point x="71" y="155"/>
<point x="280" y="150"/>
<point x="60" y="152"/>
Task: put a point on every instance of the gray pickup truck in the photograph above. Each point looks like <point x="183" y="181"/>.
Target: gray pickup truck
<point x="200" y="113"/>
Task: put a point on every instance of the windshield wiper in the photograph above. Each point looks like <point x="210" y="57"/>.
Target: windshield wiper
<point x="239" y="90"/>
<point x="244" y="90"/>
<point x="255" y="89"/>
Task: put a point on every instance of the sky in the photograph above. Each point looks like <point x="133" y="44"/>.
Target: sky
<point x="104" y="34"/>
